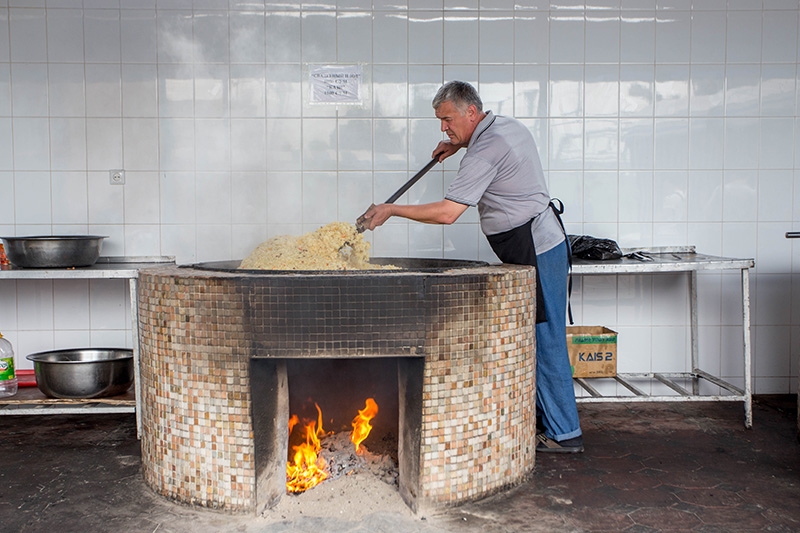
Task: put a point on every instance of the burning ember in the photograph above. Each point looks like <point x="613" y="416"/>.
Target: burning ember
<point x="306" y="468"/>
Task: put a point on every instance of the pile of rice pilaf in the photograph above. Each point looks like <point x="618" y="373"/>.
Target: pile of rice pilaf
<point x="336" y="246"/>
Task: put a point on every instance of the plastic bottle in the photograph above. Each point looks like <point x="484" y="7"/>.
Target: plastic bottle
<point x="8" y="379"/>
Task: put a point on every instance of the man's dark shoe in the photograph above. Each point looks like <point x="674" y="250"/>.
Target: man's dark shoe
<point x="545" y="445"/>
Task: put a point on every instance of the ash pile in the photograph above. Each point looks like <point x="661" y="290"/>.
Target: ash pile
<point x="341" y="458"/>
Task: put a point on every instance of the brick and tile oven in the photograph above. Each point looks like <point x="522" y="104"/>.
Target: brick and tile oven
<point x="218" y="348"/>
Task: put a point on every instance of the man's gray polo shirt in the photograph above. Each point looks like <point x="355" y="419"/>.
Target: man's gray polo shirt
<point x="502" y="175"/>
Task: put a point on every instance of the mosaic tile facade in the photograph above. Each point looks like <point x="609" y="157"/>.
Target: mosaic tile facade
<point x="473" y="327"/>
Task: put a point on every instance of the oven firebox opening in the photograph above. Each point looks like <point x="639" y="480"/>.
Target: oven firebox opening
<point x="317" y="402"/>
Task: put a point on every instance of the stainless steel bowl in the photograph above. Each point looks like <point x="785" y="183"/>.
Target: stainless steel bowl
<point x="83" y="373"/>
<point x="53" y="251"/>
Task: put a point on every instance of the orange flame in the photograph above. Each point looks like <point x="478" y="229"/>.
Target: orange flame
<point x="320" y="431"/>
<point x="306" y="469"/>
<point x="361" y="425"/>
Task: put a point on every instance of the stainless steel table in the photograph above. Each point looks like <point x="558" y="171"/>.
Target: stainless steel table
<point x="27" y="402"/>
<point x="671" y="260"/>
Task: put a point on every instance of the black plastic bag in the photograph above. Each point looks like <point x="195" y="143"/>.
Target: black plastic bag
<point x="587" y="247"/>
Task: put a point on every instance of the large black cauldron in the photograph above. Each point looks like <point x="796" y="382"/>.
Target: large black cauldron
<point x="406" y="263"/>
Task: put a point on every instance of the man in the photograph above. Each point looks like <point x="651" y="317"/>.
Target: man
<point x="501" y="174"/>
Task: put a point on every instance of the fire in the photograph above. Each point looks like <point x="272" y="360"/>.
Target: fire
<point x="361" y="425"/>
<point x="307" y="469"/>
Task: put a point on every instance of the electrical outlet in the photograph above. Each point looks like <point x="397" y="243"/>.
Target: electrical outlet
<point x="116" y="177"/>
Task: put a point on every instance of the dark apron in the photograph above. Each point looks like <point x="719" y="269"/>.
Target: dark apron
<point x="516" y="246"/>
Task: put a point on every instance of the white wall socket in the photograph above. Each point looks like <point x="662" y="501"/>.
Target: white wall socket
<point x="116" y="177"/>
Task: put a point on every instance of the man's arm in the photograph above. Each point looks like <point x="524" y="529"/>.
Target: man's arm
<point x="441" y="212"/>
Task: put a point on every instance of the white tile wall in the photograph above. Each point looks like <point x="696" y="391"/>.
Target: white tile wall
<point x="659" y="122"/>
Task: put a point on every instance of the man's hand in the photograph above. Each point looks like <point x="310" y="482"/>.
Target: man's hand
<point x="375" y="216"/>
<point x="445" y="149"/>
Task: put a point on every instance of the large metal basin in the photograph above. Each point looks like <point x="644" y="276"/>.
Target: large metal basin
<point x="53" y="251"/>
<point x="83" y="373"/>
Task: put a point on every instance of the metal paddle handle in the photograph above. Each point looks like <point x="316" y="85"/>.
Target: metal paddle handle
<point x="415" y="178"/>
<point x="407" y="185"/>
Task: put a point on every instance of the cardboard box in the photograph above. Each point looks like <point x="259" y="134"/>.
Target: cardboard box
<point x="592" y="351"/>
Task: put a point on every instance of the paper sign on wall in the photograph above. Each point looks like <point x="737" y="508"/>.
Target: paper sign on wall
<point x="336" y="84"/>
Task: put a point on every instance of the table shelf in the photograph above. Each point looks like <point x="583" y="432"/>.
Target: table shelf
<point x="669" y="379"/>
<point x="676" y="259"/>
<point x="29" y="400"/>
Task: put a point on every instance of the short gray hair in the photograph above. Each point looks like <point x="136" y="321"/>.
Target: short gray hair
<point x="460" y="93"/>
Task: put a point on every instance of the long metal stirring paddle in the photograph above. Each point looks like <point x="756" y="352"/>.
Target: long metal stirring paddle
<point x="407" y="185"/>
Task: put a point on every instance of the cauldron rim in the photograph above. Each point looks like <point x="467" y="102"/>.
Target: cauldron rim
<point x="429" y="265"/>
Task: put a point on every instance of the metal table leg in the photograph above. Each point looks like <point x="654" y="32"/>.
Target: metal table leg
<point x="748" y="400"/>
<point x="137" y="382"/>
<point x="694" y="329"/>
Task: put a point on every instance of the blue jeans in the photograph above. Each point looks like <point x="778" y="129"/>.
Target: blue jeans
<point x="555" y="397"/>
